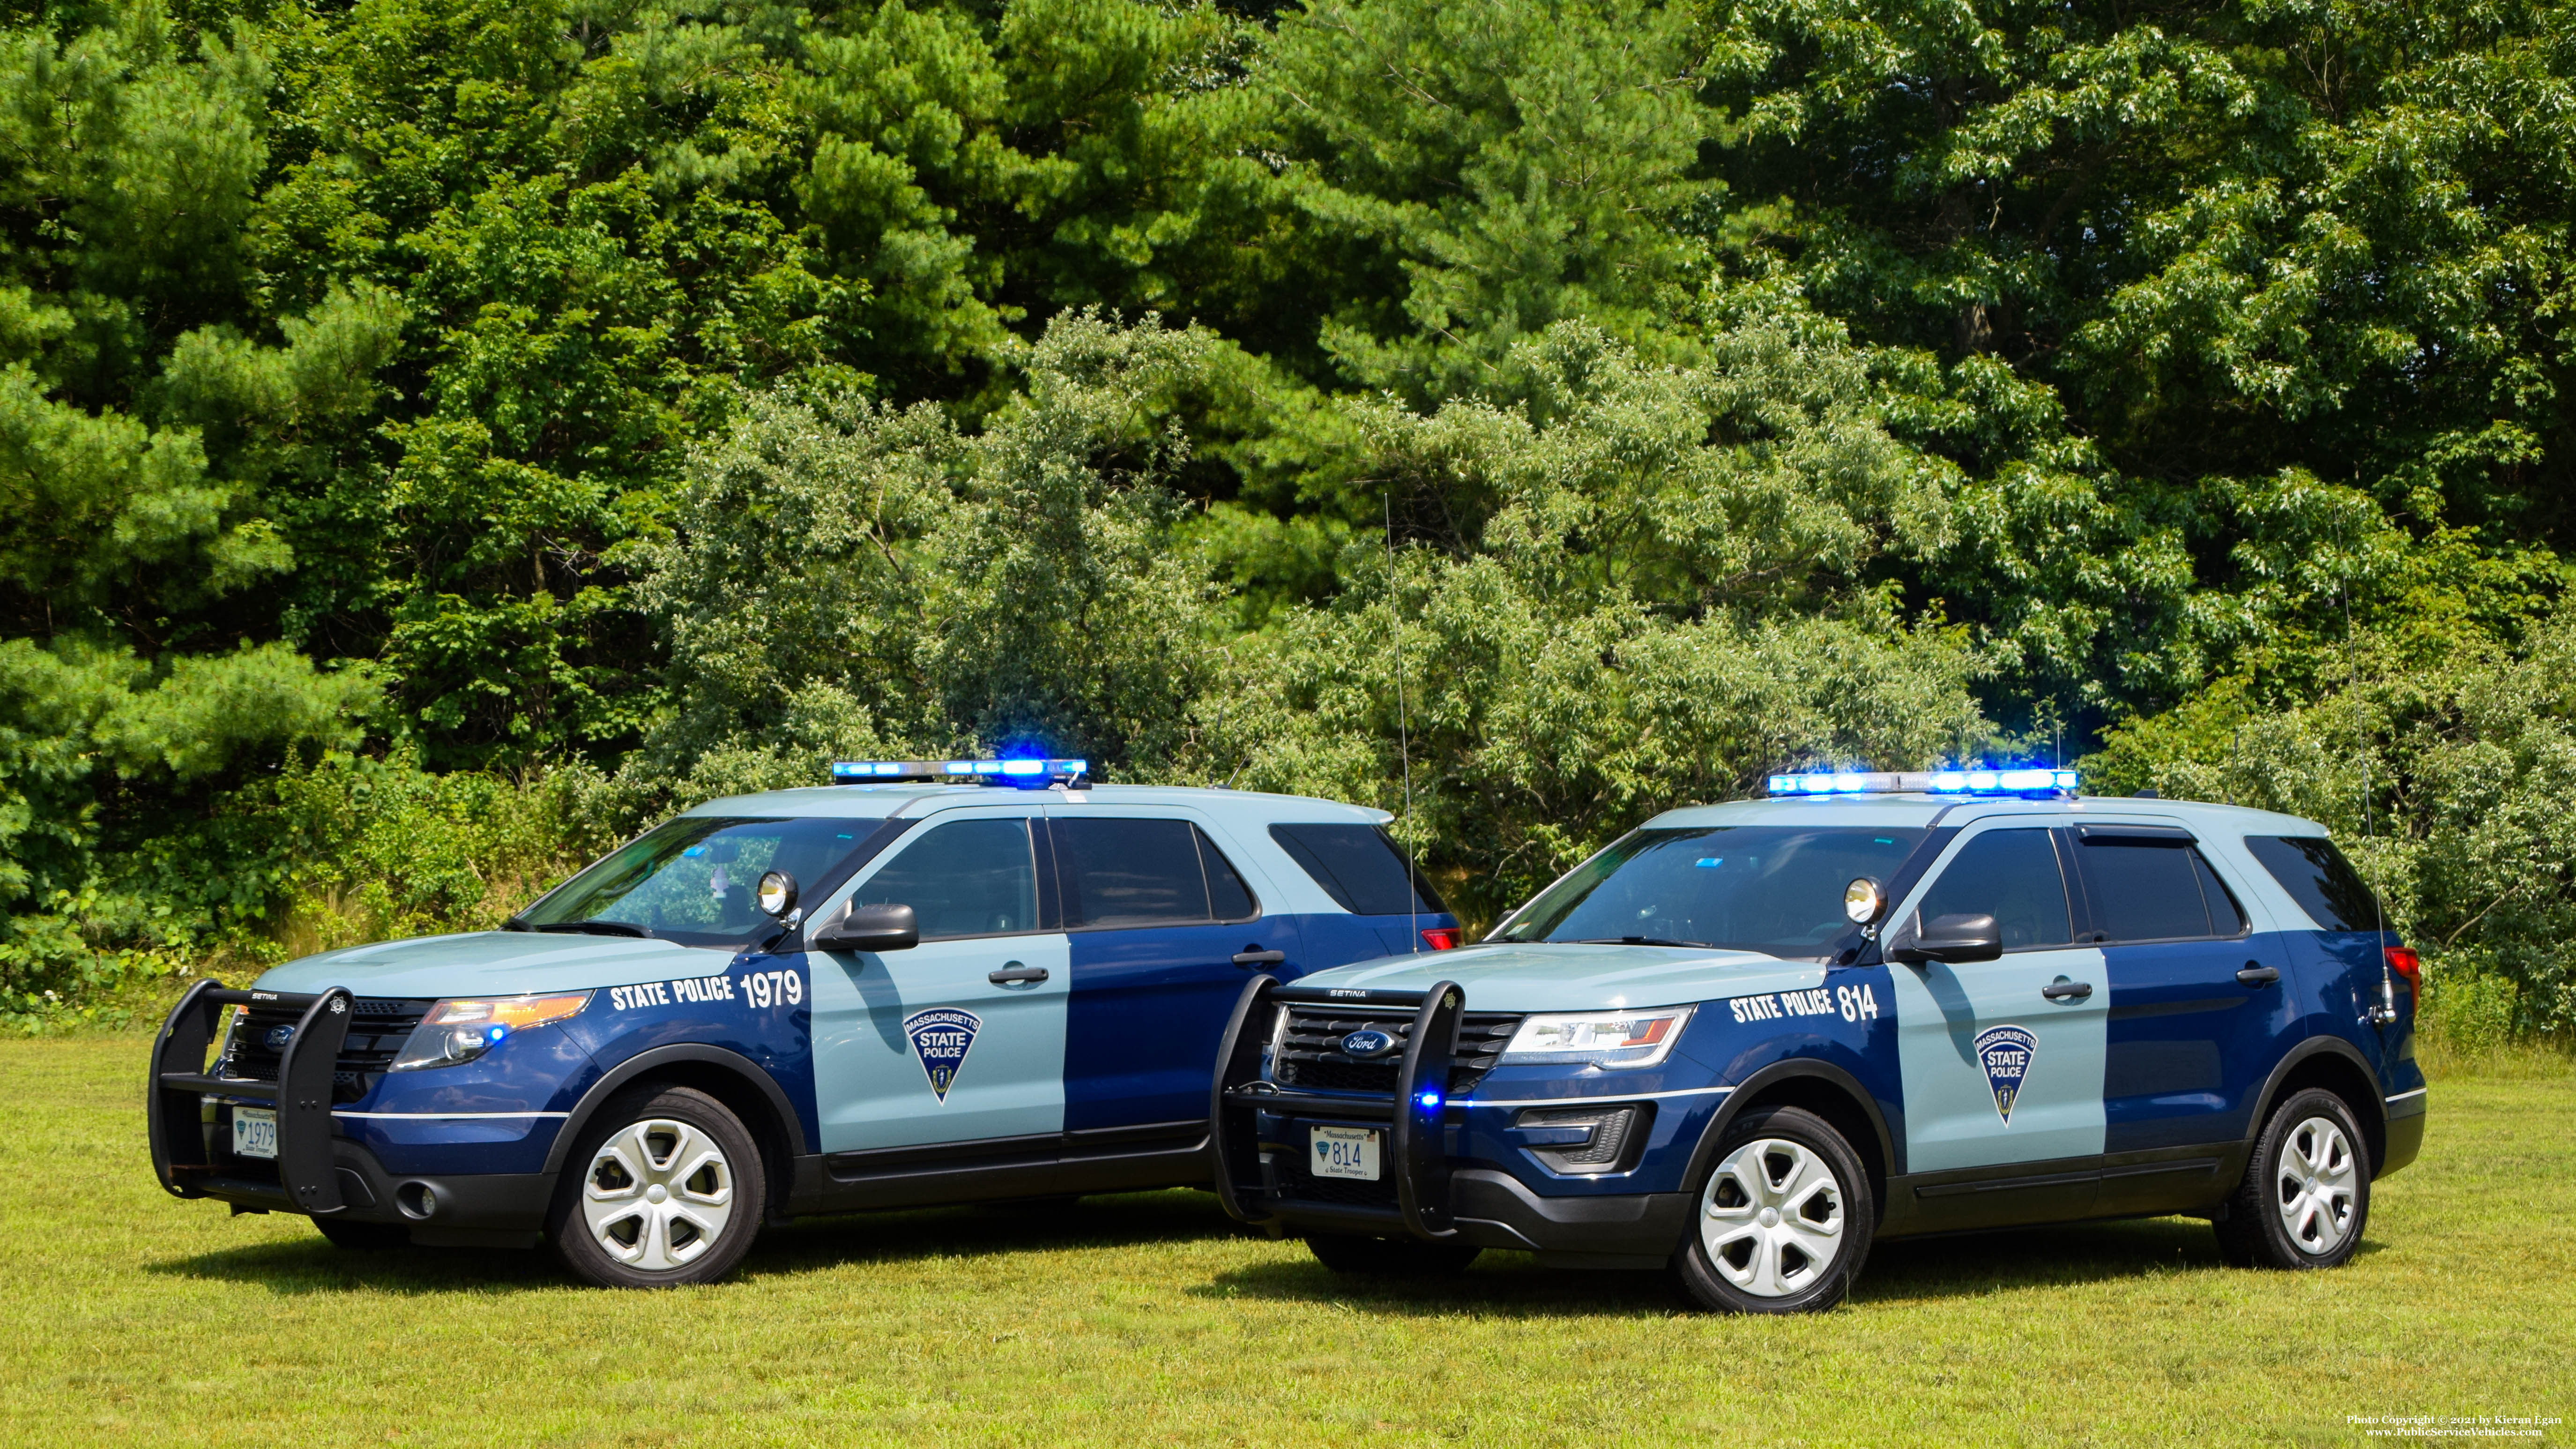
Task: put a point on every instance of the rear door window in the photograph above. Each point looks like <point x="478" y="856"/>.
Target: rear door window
<point x="1360" y="867"/>
<point x="1121" y="871"/>
<point x="2318" y="877"/>
<point x="2153" y="889"/>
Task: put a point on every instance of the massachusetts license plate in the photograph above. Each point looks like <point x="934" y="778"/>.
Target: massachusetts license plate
<point x="1344" y="1152"/>
<point x="255" y="1132"/>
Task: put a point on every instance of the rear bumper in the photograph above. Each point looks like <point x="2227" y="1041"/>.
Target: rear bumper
<point x="2405" y="1134"/>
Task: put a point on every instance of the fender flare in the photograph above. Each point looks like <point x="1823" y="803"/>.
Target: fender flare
<point x="1785" y="1070"/>
<point x="662" y="1056"/>
<point x="2374" y="1113"/>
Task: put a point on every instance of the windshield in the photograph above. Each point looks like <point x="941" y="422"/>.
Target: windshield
<point x="1768" y="888"/>
<point x="692" y="880"/>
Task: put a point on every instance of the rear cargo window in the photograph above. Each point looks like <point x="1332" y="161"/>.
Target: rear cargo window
<point x="1121" y="871"/>
<point x="1359" y="867"/>
<point x="2318" y="877"/>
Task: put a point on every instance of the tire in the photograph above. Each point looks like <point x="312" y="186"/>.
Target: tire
<point x="2305" y="1200"/>
<point x="1784" y="1217"/>
<point x="1392" y="1257"/>
<point x="358" y="1237"/>
<point x="665" y="1187"/>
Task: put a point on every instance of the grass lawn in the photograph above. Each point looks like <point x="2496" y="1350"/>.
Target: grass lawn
<point x="1150" y="1319"/>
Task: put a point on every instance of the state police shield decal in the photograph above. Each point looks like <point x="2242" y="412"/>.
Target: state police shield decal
<point x="941" y="1039"/>
<point x="2006" y="1052"/>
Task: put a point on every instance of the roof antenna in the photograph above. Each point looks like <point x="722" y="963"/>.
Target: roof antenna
<point x="2386" y="1011"/>
<point x="1403" y="728"/>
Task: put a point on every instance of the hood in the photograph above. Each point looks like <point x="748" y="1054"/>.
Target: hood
<point x="494" y="963"/>
<point x="1546" y="977"/>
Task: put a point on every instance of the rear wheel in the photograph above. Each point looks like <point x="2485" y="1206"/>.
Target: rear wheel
<point x="1784" y="1217"/>
<point x="364" y="1237"/>
<point x="1392" y="1257"/>
<point x="2306" y="1194"/>
<point x="667" y="1189"/>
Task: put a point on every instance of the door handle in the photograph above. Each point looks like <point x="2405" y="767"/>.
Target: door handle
<point x="1259" y="958"/>
<point x="2257" y="974"/>
<point x="2062" y="989"/>
<point x="1014" y="974"/>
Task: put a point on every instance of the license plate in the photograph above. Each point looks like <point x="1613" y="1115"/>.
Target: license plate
<point x="255" y="1133"/>
<point x="1344" y="1152"/>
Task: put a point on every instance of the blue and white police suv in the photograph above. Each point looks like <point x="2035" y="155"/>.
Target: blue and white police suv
<point x="1746" y="1040"/>
<point x="908" y="988"/>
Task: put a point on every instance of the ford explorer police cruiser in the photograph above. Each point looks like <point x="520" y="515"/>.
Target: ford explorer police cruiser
<point x="898" y="990"/>
<point x="1746" y="1040"/>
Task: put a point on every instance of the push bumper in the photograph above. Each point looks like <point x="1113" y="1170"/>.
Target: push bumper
<point x="1249" y="1120"/>
<point x="1261" y="1177"/>
<point x="316" y="1171"/>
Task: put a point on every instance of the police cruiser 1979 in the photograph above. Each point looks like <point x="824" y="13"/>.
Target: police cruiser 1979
<point x="897" y="990"/>
<point x="1746" y="1040"/>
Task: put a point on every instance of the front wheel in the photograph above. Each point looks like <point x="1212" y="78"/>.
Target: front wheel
<point x="1784" y="1217"/>
<point x="2306" y="1193"/>
<point x="668" y="1189"/>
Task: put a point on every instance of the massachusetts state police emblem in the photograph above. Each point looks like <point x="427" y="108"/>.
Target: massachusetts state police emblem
<point x="2005" y="1052"/>
<point x="941" y="1039"/>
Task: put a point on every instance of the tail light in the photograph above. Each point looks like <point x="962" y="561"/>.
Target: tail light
<point x="1445" y="938"/>
<point x="2409" y="967"/>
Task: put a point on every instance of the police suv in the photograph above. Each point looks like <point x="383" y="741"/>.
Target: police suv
<point x="1746" y="1040"/>
<point x="903" y="989"/>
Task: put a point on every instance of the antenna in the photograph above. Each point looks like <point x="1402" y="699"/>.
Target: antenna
<point x="2387" y="1010"/>
<point x="1403" y="727"/>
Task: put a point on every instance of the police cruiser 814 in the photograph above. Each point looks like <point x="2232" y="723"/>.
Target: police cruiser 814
<point x="1746" y="1040"/>
<point x="898" y="990"/>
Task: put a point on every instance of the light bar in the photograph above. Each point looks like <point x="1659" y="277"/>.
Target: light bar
<point x="1028" y="774"/>
<point x="1932" y="782"/>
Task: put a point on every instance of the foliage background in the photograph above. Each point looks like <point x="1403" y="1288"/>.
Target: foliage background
<point x="438" y="436"/>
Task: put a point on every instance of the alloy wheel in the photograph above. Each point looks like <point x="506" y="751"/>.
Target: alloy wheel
<point x="1771" y="1218"/>
<point x="657" y="1194"/>
<point x="2313" y="1185"/>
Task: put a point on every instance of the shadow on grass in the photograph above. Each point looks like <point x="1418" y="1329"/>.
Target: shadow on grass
<point x="1907" y="1271"/>
<point x="313" y="1265"/>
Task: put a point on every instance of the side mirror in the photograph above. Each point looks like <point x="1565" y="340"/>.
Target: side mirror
<point x="869" y="928"/>
<point x="1953" y="939"/>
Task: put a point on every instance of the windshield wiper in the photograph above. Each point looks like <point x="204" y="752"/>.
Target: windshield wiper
<point x="597" y="928"/>
<point x="1637" y="941"/>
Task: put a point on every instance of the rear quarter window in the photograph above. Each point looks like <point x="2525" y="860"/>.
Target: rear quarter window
<point x="2318" y="877"/>
<point x="1360" y="868"/>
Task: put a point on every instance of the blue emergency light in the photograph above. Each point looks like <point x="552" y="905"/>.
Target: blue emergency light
<point x="2018" y="781"/>
<point x="1026" y="774"/>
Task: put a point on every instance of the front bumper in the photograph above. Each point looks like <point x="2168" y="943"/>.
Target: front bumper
<point x="316" y="1171"/>
<point x="1262" y="1178"/>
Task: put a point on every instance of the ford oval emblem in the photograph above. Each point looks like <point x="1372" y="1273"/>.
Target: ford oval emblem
<point x="278" y="1037"/>
<point x="1368" y="1043"/>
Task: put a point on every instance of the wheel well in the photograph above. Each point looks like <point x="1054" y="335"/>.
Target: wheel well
<point x="747" y="1102"/>
<point x="2336" y="1073"/>
<point x="1837" y="1107"/>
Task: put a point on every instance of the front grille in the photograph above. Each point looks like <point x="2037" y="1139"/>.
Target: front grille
<point x="377" y="1030"/>
<point x="1310" y="1050"/>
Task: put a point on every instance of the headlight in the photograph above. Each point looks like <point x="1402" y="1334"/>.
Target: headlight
<point x="1599" y="1038"/>
<point x="463" y="1028"/>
